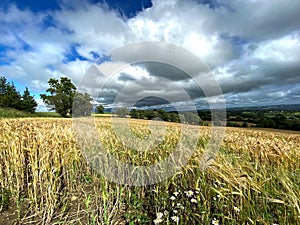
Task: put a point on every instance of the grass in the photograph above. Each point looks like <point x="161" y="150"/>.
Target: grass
<point x="14" y="113"/>
<point x="45" y="179"/>
<point x="102" y="114"/>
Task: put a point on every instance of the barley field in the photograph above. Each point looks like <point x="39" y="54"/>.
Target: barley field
<point x="45" y="177"/>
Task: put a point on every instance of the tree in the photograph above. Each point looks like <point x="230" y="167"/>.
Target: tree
<point x="9" y="96"/>
<point x="267" y="122"/>
<point x="100" y="109"/>
<point x="174" y="117"/>
<point x="134" y="113"/>
<point x="82" y="105"/>
<point x="61" y="96"/>
<point x="28" y="102"/>
<point x="150" y="114"/>
<point x="245" y="124"/>
<point x="163" y="115"/>
<point x="2" y="86"/>
<point x="122" y="112"/>
<point x="191" y="118"/>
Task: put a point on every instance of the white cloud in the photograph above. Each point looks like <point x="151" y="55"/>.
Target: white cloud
<point x="284" y="49"/>
<point x="251" y="46"/>
<point x="184" y="23"/>
<point x="93" y="27"/>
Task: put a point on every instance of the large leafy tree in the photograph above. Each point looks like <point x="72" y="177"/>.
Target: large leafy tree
<point x="61" y="95"/>
<point x="82" y="105"/>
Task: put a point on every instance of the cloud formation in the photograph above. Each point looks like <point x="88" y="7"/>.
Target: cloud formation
<point x="251" y="47"/>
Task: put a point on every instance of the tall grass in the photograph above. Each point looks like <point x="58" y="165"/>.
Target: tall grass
<point x="45" y="179"/>
<point x="14" y="113"/>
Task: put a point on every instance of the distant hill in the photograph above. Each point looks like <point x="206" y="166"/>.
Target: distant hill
<point x="295" y="107"/>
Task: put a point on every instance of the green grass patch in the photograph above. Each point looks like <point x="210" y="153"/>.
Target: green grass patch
<point x="14" y="113"/>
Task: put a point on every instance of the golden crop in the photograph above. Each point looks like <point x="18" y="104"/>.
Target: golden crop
<point x="46" y="179"/>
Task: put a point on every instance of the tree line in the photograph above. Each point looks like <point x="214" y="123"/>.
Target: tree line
<point x="160" y="114"/>
<point x="61" y="96"/>
<point x="10" y="97"/>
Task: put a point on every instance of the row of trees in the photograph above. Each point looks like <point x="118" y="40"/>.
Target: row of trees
<point x="11" y="98"/>
<point x="61" y="96"/>
<point x="64" y="98"/>
<point x="185" y="117"/>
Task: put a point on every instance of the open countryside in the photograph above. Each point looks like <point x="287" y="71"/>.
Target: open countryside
<point x="150" y="112"/>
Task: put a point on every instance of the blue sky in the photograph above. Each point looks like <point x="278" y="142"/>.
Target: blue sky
<point x="252" y="48"/>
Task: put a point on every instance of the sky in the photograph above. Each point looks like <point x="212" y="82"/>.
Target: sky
<point x="251" y="48"/>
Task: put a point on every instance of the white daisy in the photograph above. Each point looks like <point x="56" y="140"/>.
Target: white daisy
<point x="175" y="219"/>
<point x="194" y="200"/>
<point x="236" y="209"/>
<point x="189" y="193"/>
<point x="215" y="222"/>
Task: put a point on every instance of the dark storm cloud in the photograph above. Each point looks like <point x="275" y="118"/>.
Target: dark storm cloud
<point x="164" y="70"/>
<point x="151" y="101"/>
<point x="258" y="20"/>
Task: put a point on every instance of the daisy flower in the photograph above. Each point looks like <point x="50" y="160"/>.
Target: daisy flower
<point x="194" y="200"/>
<point x="157" y="220"/>
<point x="159" y="215"/>
<point x="215" y="222"/>
<point x="189" y="193"/>
<point x="176" y="193"/>
<point x="175" y="219"/>
<point x="236" y="209"/>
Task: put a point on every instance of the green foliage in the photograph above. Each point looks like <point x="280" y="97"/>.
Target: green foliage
<point x="122" y="112"/>
<point x="289" y="120"/>
<point x="4" y="198"/>
<point x="192" y="118"/>
<point x="82" y="105"/>
<point x="245" y="124"/>
<point x="100" y="109"/>
<point x="266" y="122"/>
<point x="11" y="98"/>
<point x="61" y="96"/>
<point x="174" y="117"/>
<point x="286" y="120"/>
<point x="65" y="100"/>
<point x="28" y="103"/>
<point x="134" y="114"/>
<point x="14" y="113"/>
<point x="136" y="214"/>
<point x="187" y="117"/>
